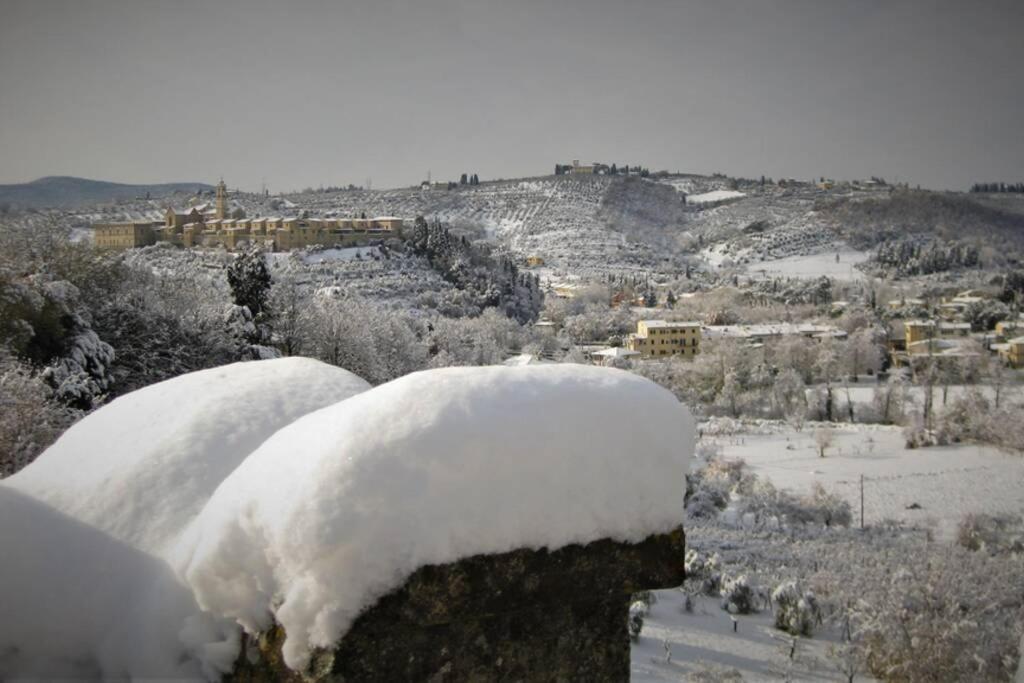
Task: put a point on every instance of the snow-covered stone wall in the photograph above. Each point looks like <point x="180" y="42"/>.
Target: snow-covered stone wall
<point x="284" y="494"/>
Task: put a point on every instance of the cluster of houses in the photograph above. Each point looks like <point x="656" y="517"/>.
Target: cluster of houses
<point x="204" y="225"/>
<point x="948" y="337"/>
<point x="660" y="338"/>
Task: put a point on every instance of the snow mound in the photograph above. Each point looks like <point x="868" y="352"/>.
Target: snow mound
<point x="80" y="604"/>
<point x="339" y="508"/>
<point x="143" y="466"/>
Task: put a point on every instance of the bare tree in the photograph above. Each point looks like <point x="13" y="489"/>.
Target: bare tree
<point x="823" y="439"/>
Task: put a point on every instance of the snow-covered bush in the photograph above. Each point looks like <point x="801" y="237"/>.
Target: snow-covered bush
<point x="708" y="489"/>
<point x="820" y="508"/>
<point x="637" y="611"/>
<point x="796" y="610"/>
<point x="970" y="417"/>
<point x="957" y="616"/>
<point x="703" y="572"/>
<point x="918" y="435"/>
<point x="992" y="534"/>
<point x="82" y="376"/>
<point x="710" y="672"/>
<point x="824" y="507"/>
<point x="30" y="420"/>
<point x="740" y="595"/>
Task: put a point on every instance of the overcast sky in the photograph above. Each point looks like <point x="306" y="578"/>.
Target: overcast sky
<point x="334" y="92"/>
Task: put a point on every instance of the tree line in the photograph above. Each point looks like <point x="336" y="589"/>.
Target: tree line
<point x="998" y="187"/>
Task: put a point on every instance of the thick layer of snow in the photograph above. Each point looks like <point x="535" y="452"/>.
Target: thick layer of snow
<point x="143" y="466"/>
<point x="713" y="196"/>
<point x="332" y="511"/>
<point x="77" y="603"/>
<point x="343" y="505"/>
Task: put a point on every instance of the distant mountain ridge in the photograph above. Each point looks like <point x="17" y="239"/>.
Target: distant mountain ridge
<point x="68" y="191"/>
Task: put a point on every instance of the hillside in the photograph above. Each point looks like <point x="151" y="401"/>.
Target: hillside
<point x="68" y="192"/>
<point x="944" y="215"/>
<point x="591" y="226"/>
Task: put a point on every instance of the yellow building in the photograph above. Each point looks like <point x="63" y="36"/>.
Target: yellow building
<point x="1013" y="352"/>
<point x="534" y="261"/>
<point x="1008" y="328"/>
<point x="123" y="235"/>
<point x="656" y="338"/>
<point x="203" y="226"/>
<point x="918" y="330"/>
<point x="576" y="167"/>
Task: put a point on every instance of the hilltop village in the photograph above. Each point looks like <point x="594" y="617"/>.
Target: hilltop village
<point x="201" y="225"/>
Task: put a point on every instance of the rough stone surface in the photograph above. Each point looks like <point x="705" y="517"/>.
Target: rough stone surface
<point x="524" y="615"/>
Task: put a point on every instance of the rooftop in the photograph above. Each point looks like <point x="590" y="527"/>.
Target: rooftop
<point x="664" y="323"/>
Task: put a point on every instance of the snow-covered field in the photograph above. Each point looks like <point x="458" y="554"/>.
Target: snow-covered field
<point x="815" y="265"/>
<point x="947" y="482"/>
<point x="675" y="644"/>
<point x="929" y="488"/>
<point x="713" y="196"/>
<point x="343" y="254"/>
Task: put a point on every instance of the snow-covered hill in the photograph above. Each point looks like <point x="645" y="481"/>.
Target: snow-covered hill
<point x="590" y="226"/>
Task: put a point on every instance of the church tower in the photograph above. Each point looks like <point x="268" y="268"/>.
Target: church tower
<point x="222" y="197"/>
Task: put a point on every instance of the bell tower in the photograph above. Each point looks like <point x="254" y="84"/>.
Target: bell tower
<point x="222" y="196"/>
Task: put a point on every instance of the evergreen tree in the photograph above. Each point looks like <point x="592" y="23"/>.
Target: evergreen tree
<point x="463" y="180"/>
<point x="249" y="280"/>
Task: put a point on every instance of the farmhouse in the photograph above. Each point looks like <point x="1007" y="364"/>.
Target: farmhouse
<point x="656" y="338"/>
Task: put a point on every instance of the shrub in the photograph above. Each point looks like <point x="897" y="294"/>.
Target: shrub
<point x="796" y="610"/>
<point x="993" y="534"/>
<point x="30" y="420"/>
<point x="703" y="571"/>
<point x="957" y="616"/>
<point x="739" y="595"/>
<point x="637" y="612"/>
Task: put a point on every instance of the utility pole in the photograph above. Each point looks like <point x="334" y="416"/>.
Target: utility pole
<point x="862" y="502"/>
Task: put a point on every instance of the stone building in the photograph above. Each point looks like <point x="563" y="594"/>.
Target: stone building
<point x="125" y="235"/>
<point x="206" y="226"/>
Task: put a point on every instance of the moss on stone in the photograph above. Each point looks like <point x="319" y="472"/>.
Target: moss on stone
<point x="523" y="615"/>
